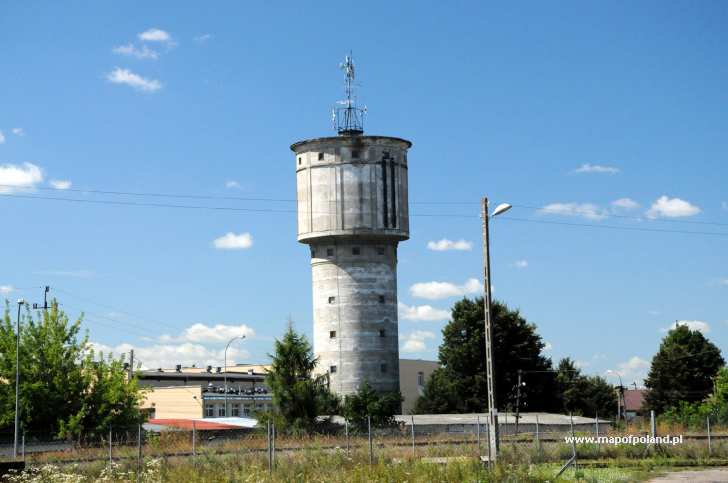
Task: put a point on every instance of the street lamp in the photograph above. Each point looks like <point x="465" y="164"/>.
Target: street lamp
<point x="493" y="440"/>
<point x="241" y="337"/>
<point x="620" y="394"/>
<point x="21" y="302"/>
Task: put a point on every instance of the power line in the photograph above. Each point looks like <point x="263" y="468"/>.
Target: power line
<point x="613" y="227"/>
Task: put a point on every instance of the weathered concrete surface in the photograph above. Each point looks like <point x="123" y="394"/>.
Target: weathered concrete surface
<point x="353" y="211"/>
<point x="697" y="476"/>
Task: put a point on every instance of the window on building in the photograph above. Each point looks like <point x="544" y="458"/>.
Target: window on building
<point x="382" y="332"/>
<point x="380" y="250"/>
<point x="332" y="369"/>
<point x="221" y="411"/>
<point x="355" y="154"/>
<point x="356" y="251"/>
<point x="299" y="160"/>
<point x="332" y="299"/>
<point x="383" y="368"/>
<point x="381" y="299"/>
<point x="329" y="252"/>
<point x="420" y="378"/>
<point x="209" y="411"/>
<point x="313" y="252"/>
<point x="321" y="156"/>
<point x="235" y="412"/>
<point x="332" y="334"/>
<point x="246" y="410"/>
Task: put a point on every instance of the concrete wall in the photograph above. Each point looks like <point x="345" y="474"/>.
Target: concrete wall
<point x="353" y="211"/>
<point x="411" y="373"/>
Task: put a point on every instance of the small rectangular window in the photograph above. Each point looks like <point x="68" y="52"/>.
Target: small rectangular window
<point x="332" y="300"/>
<point x="299" y="160"/>
<point x="235" y="410"/>
<point x="355" y="251"/>
<point x="221" y="412"/>
<point x="380" y="250"/>
<point x="332" y="369"/>
<point x="420" y="378"/>
<point x="313" y="252"/>
<point x="382" y="332"/>
<point x="355" y="154"/>
<point x="381" y="299"/>
<point x="383" y="367"/>
<point x="321" y="156"/>
<point x="332" y="334"/>
<point x="329" y="252"/>
<point x="209" y="410"/>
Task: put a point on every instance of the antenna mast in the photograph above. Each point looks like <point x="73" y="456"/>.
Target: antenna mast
<point x="349" y="119"/>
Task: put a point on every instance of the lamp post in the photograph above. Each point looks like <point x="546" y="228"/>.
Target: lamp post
<point x="620" y="394"/>
<point x="493" y="440"/>
<point x="21" y="302"/>
<point x="241" y="337"/>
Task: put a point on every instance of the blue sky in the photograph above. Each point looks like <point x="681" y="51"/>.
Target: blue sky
<point x="561" y="110"/>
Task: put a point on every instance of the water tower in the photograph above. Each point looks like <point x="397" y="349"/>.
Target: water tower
<point x="352" y="213"/>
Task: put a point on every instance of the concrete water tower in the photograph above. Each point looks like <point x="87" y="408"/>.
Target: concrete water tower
<point x="353" y="212"/>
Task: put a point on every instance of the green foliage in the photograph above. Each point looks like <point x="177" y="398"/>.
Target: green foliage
<point x="682" y="370"/>
<point x="694" y="415"/>
<point x="64" y="391"/>
<point x="583" y="395"/>
<point x="459" y="386"/>
<point x="380" y="407"/>
<point x="299" y="396"/>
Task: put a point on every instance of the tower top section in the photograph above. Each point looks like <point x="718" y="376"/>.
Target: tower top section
<point x="347" y="116"/>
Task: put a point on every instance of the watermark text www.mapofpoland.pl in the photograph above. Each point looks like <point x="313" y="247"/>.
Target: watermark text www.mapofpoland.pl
<point x="633" y="439"/>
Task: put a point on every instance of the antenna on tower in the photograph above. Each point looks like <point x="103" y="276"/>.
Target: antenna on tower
<point x="348" y="120"/>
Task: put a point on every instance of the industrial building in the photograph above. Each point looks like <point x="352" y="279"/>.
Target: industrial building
<point x="353" y="212"/>
<point x="190" y="392"/>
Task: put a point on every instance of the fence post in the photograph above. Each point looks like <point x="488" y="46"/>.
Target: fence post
<point x="653" y="424"/>
<point x="270" y="455"/>
<point x="596" y="423"/>
<point x="194" y="439"/>
<point x="273" y="444"/>
<point x="413" y="436"/>
<point x="23" y="447"/>
<point x="538" y="438"/>
<point x="139" y="452"/>
<point x="369" y="425"/>
<point x="487" y="429"/>
<point x="573" y="441"/>
<point x="477" y="432"/>
<point x="346" y="431"/>
<point x="111" y="435"/>
<point x="710" y="447"/>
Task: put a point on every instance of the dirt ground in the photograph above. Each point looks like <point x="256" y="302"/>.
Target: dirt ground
<point x="697" y="476"/>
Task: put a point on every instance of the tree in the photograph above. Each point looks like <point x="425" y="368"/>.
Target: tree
<point x="299" y="396"/>
<point x="682" y="370"/>
<point x="459" y="385"/>
<point x="64" y="390"/>
<point x="380" y="407"/>
<point x="583" y="395"/>
<point x="714" y="407"/>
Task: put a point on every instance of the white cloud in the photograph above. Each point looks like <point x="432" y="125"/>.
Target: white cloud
<point x="18" y="131"/>
<point x="421" y="312"/>
<point x="155" y="35"/>
<point x="596" y="168"/>
<point x="625" y="204"/>
<point x="232" y="184"/>
<point x="60" y="184"/>
<point x="441" y="290"/>
<point x="169" y="355"/>
<point x="202" y="38"/>
<point x="634" y="369"/>
<point x="671" y="208"/>
<point x="131" y="50"/>
<point x="231" y="241"/>
<point x="445" y="245"/>
<point x="415" y="341"/>
<point x="585" y="210"/>
<point x="127" y="77"/>
<point x="15" y="177"/>
<point x="521" y="264"/>
<point x="6" y="289"/>
<point x="698" y="325"/>
<point x="201" y="333"/>
<point x="547" y="346"/>
<point x="2" y="138"/>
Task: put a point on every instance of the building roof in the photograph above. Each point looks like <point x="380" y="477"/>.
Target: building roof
<point x="201" y="424"/>
<point x="634" y="399"/>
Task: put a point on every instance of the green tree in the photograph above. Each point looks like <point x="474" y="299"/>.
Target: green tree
<point x="380" y="407"/>
<point x="60" y="378"/>
<point x="459" y="385"/>
<point x="583" y="395"/>
<point x="299" y="395"/>
<point x="682" y="370"/>
<point x="714" y="407"/>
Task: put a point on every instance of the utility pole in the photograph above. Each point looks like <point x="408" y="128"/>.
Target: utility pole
<point x="131" y="365"/>
<point x="493" y="440"/>
<point x="21" y="302"/>
<point x="518" y="398"/>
